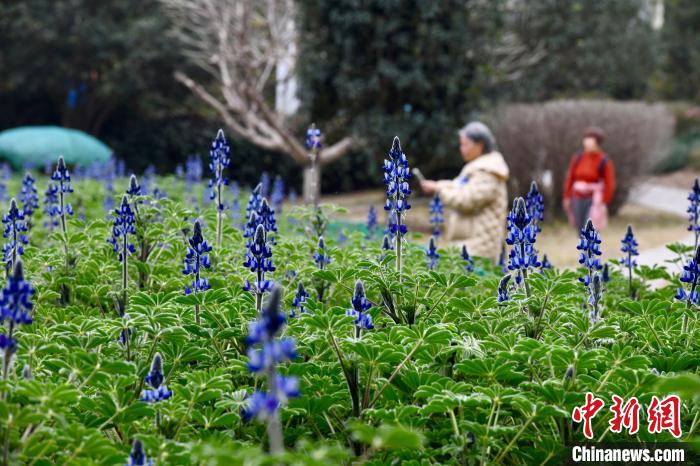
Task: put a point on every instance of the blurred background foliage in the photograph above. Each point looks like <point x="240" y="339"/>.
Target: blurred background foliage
<point x="417" y="68"/>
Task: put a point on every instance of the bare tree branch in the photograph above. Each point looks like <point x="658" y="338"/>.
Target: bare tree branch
<point x="240" y="44"/>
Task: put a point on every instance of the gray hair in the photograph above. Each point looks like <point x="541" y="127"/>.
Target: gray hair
<point x="479" y="132"/>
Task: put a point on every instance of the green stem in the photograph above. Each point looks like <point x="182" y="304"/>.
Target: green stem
<point x="393" y="374"/>
<point x="500" y="456"/>
<point x="539" y="318"/>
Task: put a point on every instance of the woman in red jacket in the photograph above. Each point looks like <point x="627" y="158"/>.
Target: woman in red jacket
<point x="590" y="182"/>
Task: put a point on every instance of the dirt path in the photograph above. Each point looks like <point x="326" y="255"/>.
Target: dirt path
<point x="667" y="199"/>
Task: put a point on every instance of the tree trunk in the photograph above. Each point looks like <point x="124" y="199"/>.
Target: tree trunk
<point x="312" y="183"/>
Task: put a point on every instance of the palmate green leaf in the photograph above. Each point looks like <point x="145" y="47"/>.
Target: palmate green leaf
<point x="670" y="360"/>
<point x="387" y="437"/>
<point x="447" y="400"/>
<point x="375" y="353"/>
<point x="685" y="385"/>
<point x="136" y="411"/>
<point x="202" y="298"/>
<point x="431" y="335"/>
<point x="42" y="443"/>
<point x="490" y="370"/>
<point x="79" y="443"/>
<point x="327" y="276"/>
<point x="157" y="300"/>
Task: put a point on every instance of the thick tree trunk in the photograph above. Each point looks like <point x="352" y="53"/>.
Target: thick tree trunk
<point x="312" y="184"/>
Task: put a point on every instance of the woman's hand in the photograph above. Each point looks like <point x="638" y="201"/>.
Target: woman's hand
<point x="428" y="186"/>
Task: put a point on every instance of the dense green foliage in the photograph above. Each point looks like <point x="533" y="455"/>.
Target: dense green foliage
<point x="680" y="77"/>
<point x="101" y="67"/>
<point x="447" y="375"/>
<point x="410" y="68"/>
<point x="576" y="41"/>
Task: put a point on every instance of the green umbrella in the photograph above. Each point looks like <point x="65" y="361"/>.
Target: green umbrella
<point x="36" y="145"/>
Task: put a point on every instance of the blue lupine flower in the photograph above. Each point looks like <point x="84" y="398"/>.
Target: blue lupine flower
<point x="250" y="227"/>
<point x="264" y="184"/>
<point x="321" y="258"/>
<point x="629" y="248"/>
<point x="140" y="189"/>
<point x="396" y="176"/>
<point x="313" y="137"/>
<point x="5" y="176"/>
<point x="436" y="214"/>
<point x="431" y="254"/>
<point x="468" y="260"/>
<point x="155" y="378"/>
<point x="193" y="175"/>
<point x="146" y="179"/>
<point x="265" y="353"/>
<point x="108" y="178"/>
<point x="134" y="188"/>
<point x="534" y="202"/>
<point x="62" y="176"/>
<point x="158" y="193"/>
<point x="123" y="226"/>
<point x="193" y="170"/>
<point x="15" y="309"/>
<point x="545" y="264"/>
<point x="219" y="160"/>
<point x="605" y="276"/>
<point x="28" y="196"/>
<point x="691" y="275"/>
<point x="51" y="206"/>
<point x="503" y="289"/>
<point x="522" y="234"/>
<point x="235" y="205"/>
<point x="262" y="215"/>
<point x="255" y="201"/>
<point x="694" y="210"/>
<point x="196" y="258"/>
<point x="298" y="301"/>
<point x="371" y="222"/>
<point x="360" y="306"/>
<point x="277" y="196"/>
<point x="138" y="457"/>
<point x="266" y="218"/>
<point x="259" y="261"/>
<point x="387" y="244"/>
<point x="502" y="260"/>
<point x="27" y="372"/>
<point x="589" y="245"/>
<point x="15" y="229"/>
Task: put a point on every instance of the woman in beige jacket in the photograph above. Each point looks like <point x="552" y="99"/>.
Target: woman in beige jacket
<point x="478" y="197"/>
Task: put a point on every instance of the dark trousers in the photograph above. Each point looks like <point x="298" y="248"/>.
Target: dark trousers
<point x="581" y="206"/>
